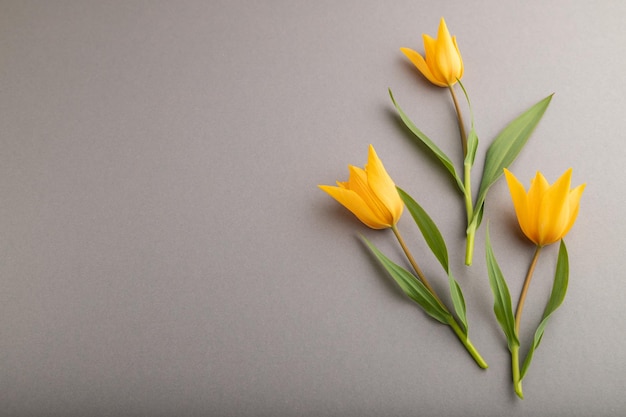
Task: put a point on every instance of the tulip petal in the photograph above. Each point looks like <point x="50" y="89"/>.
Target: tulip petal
<point x="538" y="187"/>
<point x="429" y="47"/>
<point x="460" y="57"/>
<point x="441" y="64"/>
<point x="574" y="205"/>
<point x="359" y="183"/>
<point x="383" y="186"/>
<point x="353" y="202"/>
<point x="421" y="65"/>
<point x="443" y="32"/>
<point x="445" y="62"/>
<point x="520" y="202"/>
<point x="555" y="210"/>
<point x="430" y="55"/>
<point x="550" y="210"/>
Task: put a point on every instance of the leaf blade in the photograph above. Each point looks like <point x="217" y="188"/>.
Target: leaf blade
<point x="458" y="301"/>
<point x="472" y="137"/>
<point x="559" y="289"/>
<point x="441" y="156"/>
<point x="429" y="229"/>
<point x="411" y="286"/>
<point x="502" y="298"/>
<point x="472" y="146"/>
<point x="508" y="144"/>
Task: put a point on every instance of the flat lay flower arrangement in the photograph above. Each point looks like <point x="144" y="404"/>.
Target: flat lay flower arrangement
<point x="545" y="212"/>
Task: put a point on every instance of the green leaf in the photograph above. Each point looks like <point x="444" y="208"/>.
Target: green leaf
<point x="472" y="145"/>
<point x="459" y="301"/>
<point x="478" y="215"/>
<point x="559" y="288"/>
<point x="472" y="137"/>
<point x="428" y="228"/>
<point x="508" y="144"/>
<point x="412" y="287"/>
<point x="441" y="156"/>
<point x="437" y="245"/>
<point x="502" y="298"/>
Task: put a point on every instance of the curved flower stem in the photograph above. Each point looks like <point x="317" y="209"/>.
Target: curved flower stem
<point x="468" y="344"/>
<point x="522" y="297"/>
<point x="471" y="227"/>
<point x="452" y="321"/>
<point x="460" y="119"/>
<point x="416" y="267"/>
<point x="469" y="208"/>
<point x="517" y="382"/>
<point x="469" y="244"/>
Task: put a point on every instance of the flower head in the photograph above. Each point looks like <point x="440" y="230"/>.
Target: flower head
<point x="442" y="64"/>
<point x="547" y="212"/>
<point x="370" y="194"/>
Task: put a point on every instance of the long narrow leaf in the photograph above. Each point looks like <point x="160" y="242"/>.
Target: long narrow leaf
<point x="472" y="146"/>
<point x="559" y="288"/>
<point x="472" y="137"/>
<point x="459" y="301"/>
<point x="412" y="287"/>
<point x="502" y="298"/>
<point x="437" y="245"/>
<point x="441" y="156"/>
<point x="478" y="215"/>
<point x="428" y="228"/>
<point x="508" y="144"/>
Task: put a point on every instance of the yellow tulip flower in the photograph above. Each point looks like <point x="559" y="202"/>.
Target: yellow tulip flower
<point x="443" y="64"/>
<point x="370" y="194"/>
<point x="547" y="212"/>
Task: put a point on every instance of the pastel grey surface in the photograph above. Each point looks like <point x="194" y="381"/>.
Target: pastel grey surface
<point x="165" y="250"/>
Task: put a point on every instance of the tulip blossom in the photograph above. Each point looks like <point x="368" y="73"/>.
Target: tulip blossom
<point x="546" y="212"/>
<point x="370" y="194"/>
<point x="442" y="64"/>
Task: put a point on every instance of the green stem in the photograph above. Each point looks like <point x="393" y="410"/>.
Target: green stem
<point x="452" y="322"/>
<point x="414" y="264"/>
<point x="469" y="244"/>
<point x="468" y="344"/>
<point x="522" y="297"/>
<point x="517" y="382"/>
<point x="469" y="208"/>
<point x="460" y="119"/>
<point x="471" y="229"/>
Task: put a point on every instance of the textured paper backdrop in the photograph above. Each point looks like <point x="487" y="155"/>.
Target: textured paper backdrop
<point x="164" y="249"/>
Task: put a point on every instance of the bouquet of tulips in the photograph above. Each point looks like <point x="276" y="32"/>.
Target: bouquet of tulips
<point x="545" y="213"/>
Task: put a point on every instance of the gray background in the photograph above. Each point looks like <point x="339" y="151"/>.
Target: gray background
<point x="164" y="249"/>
